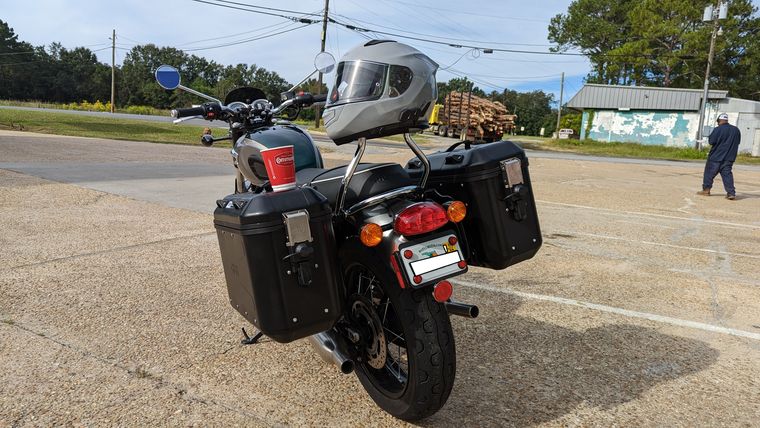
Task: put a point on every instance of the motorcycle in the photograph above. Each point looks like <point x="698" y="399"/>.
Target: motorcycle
<point x="358" y="259"/>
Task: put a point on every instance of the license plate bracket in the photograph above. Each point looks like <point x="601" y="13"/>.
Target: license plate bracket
<point x="432" y="260"/>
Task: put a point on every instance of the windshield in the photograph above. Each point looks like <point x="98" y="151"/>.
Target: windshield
<point x="358" y="81"/>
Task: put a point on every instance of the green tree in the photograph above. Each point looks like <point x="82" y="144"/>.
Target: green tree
<point x="595" y="27"/>
<point x="458" y="84"/>
<point x="138" y="86"/>
<point x="661" y="43"/>
<point x="534" y="110"/>
<point x="16" y="57"/>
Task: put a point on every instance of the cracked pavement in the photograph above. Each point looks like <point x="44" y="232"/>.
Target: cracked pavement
<point x="642" y="308"/>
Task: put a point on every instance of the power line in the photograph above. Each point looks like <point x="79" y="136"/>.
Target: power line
<point x="17" y="53"/>
<point x="246" y="40"/>
<point x="131" y="40"/>
<point x="525" y="78"/>
<point x="460" y="12"/>
<point x="20" y="63"/>
<point x="455" y="29"/>
<point x="488" y="49"/>
<point x="258" y="30"/>
<point x="222" y="3"/>
<point x="455" y="45"/>
<point x="446" y="38"/>
<point x="269" y="8"/>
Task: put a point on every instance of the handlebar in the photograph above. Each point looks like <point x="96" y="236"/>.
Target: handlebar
<point x="211" y="111"/>
<point x="184" y="112"/>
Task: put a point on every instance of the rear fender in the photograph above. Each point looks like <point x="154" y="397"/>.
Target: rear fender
<point x="384" y="215"/>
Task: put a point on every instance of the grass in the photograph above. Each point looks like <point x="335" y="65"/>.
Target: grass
<point x="64" y="123"/>
<point x="628" y="150"/>
<point x="84" y="106"/>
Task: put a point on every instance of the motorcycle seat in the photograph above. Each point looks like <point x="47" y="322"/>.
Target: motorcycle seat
<point x="370" y="179"/>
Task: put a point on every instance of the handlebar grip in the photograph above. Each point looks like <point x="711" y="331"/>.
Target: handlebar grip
<point x="184" y="112"/>
<point x="320" y="98"/>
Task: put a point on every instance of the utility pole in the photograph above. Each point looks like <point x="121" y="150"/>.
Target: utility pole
<point x="715" y="15"/>
<point x="113" y="71"/>
<point x="317" y="112"/>
<point x="559" y="107"/>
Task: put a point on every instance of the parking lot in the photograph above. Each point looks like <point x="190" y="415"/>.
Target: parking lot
<point x="642" y="307"/>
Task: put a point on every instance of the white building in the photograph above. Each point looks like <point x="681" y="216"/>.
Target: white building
<point x="661" y="116"/>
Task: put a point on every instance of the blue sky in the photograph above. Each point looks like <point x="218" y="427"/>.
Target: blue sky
<point x="496" y="23"/>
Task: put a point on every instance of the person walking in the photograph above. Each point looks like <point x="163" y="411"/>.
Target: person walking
<point x="724" y="142"/>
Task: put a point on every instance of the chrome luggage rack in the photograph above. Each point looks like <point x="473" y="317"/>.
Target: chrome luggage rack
<point x="378" y="199"/>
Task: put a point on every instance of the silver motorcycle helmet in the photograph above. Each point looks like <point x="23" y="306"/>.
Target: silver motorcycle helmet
<point x="381" y="88"/>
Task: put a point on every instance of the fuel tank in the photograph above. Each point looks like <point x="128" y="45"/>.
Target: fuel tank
<point x="247" y="151"/>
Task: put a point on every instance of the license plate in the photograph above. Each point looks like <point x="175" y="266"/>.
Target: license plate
<point x="431" y="260"/>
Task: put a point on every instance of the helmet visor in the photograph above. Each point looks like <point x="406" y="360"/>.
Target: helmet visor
<point x="358" y="81"/>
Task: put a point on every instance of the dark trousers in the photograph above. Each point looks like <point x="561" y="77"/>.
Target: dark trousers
<point x="712" y="168"/>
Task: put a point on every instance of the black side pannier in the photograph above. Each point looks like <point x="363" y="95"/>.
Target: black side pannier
<point x="280" y="261"/>
<point x="501" y="227"/>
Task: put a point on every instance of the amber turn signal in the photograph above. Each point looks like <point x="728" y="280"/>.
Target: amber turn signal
<point x="371" y="234"/>
<point x="456" y="211"/>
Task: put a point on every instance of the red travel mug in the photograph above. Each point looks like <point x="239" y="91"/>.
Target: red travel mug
<point x="281" y="167"/>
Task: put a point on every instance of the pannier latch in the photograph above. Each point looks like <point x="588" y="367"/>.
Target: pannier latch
<point x="517" y="202"/>
<point x="299" y="247"/>
<point x="517" y="191"/>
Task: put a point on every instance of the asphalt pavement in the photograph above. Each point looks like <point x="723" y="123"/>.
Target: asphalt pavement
<point x="640" y="309"/>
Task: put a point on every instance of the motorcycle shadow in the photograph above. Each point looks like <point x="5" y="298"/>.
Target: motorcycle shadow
<point x="515" y="371"/>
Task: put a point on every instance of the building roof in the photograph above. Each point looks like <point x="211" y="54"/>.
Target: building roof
<point x="640" y="98"/>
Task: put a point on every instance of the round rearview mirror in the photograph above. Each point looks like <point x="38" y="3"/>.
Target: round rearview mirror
<point x="324" y="62"/>
<point x="167" y="77"/>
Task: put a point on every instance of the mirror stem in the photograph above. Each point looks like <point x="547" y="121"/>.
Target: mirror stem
<point x="301" y="82"/>
<point x="200" y="94"/>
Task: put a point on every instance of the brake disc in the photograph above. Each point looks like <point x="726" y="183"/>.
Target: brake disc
<point x="366" y="318"/>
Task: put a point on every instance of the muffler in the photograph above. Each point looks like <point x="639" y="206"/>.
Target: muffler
<point x="332" y="348"/>
<point x="462" y="309"/>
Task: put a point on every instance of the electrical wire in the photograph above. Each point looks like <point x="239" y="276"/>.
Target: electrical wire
<point x="16" y="53"/>
<point x="482" y="48"/>
<point x="258" y="30"/>
<point x="20" y="63"/>
<point x="460" y="12"/>
<point x="247" y="40"/>
<point x="222" y="3"/>
<point x="447" y="38"/>
<point x="453" y="29"/>
<point x="118" y="36"/>
<point x="269" y="8"/>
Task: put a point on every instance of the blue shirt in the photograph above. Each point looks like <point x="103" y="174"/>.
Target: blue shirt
<point x="725" y="141"/>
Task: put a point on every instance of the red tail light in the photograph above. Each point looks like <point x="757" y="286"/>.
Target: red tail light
<point x="420" y="218"/>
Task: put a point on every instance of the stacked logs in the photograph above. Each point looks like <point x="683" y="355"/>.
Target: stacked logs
<point x="486" y="117"/>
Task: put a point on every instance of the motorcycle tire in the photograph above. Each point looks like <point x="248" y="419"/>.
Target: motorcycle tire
<point x="428" y="340"/>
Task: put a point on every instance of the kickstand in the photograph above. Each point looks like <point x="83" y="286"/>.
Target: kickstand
<point x="251" y="340"/>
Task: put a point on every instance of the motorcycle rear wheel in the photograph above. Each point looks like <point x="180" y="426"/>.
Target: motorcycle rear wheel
<point x="420" y="357"/>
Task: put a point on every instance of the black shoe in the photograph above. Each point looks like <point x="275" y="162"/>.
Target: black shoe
<point x="731" y="197"/>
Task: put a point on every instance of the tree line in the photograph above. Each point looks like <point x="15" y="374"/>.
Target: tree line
<point x="60" y="75"/>
<point x="663" y="43"/>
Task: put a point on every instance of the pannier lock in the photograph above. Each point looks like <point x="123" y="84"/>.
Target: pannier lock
<point x="299" y="248"/>
<point x="517" y="191"/>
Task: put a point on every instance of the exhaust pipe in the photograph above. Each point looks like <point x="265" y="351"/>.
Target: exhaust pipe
<point x="462" y="309"/>
<point x="332" y="348"/>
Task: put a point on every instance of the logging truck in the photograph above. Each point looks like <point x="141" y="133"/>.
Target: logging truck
<point x="472" y="118"/>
